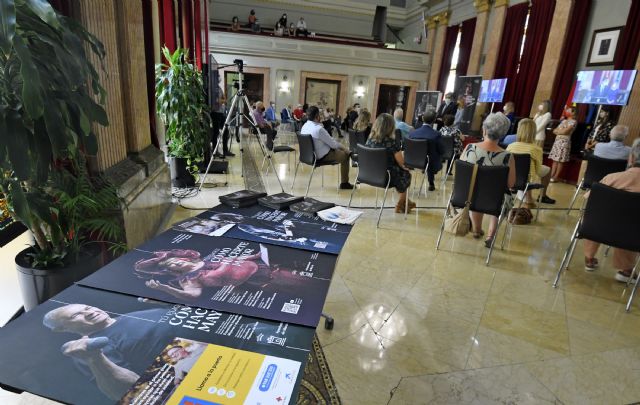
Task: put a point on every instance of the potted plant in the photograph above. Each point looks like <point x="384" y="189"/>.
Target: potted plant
<point x="47" y="108"/>
<point x="182" y="107"/>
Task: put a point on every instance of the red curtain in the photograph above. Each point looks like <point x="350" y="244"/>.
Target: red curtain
<point x="167" y="24"/>
<point x="449" y="46"/>
<point x="629" y="43"/>
<point x="566" y="75"/>
<point x="467" y="32"/>
<point x="533" y="54"/>
<point x="197" y="18"/>
<point x="510" y="48"/>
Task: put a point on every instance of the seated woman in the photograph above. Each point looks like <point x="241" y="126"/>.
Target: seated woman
<point x="524" y="143"/>
<point x="278" y="30"/>
<point x="629" y="180"/>
<point x="601" y="131"/>
<point x="383" y="136"/>
<point x="235" y="24"/>
<point x="561" y="149"/>
<point x="448" y="129"/>
<point x="488" y="153"/>
<point x="363" y="123"/>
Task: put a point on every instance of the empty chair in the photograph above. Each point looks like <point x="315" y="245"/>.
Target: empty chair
<point x="523" y="167"/>
<point x="416" y="156"/>
<point x="308" y="156"/>
<point x="372" y="170"/>
<point x="488" y="195"/>
<point x="356" y="138"/>
<point x="597" y="168"/>
<point x="447" y="154"/>
<point x="607" y="219"/>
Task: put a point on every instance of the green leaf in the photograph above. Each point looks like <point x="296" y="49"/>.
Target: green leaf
<point x="7" y="24"/>
<point x="18" y="146"/>
<point x="31" y="87"/>
<point x="90" y="143"/>
<point x="56" y="130"/>
<point x="19" y="203"/>
<point x="44" y="11"/>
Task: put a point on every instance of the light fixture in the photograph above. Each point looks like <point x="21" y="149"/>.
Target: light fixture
<point x="285" y="85"/>
<point x="360" y="90"/>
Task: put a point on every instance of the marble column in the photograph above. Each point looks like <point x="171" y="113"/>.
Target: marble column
<point x="482" y="20"/>
<point x="491" y="58"/>
<point x="495" y="37"/>
<point x="431" y="40"/>
<point x="553" y="53"/>
<point x="436" y="60"/>
<point x="629" y="115"/>
<point x="134" y="78"/>
<point x="99" y="17"/>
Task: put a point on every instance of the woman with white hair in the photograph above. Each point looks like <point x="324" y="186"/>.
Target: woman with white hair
<point x="629" y="180"/>
<point x="488" y="153"/>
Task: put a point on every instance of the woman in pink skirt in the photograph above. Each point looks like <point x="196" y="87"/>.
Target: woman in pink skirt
<point x="561" y="150"/>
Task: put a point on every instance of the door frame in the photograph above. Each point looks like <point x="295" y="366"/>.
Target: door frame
<point x="411" y="101"/>
<point x="266" y="82"/>
<point x="343" y="79"/>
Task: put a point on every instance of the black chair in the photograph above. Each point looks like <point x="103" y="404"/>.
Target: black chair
<point x="355" y="138"/>
<point x="523" y="166"/>
<point x="416" y="156"/>
<point x="605" y="220"/>
<point x="447" y="145"/>
<point x="372" y="170"/>
<point x="488" y="195"/>
<point x="307" y="155"/>
<point x="597" y="168"/>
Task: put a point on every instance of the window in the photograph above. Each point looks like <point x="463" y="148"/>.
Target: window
<point x="524" y="38"/>
<point x="451" y="80"/>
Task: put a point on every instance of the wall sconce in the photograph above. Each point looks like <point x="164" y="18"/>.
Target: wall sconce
<point x="360" y="90"/>
<point x="285" y="86"/>
<point x="360" y="87"/>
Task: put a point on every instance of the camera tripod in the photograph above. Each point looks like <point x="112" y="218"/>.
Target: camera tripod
<point x="235" y="115"/>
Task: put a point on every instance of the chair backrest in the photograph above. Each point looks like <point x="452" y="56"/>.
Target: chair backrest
<point x="399" y="139"/>
<point x="372" y="166"/>
<point x="353" y="141"/>
<point x="523" y="166"/>
<point x="416" y="153"/>
<point x="306" y="153"/>
<point x="598" y="167"/>
<point x="611" y="217"/>
<point x="490" y="187"/>
<point x="447" y="146"/>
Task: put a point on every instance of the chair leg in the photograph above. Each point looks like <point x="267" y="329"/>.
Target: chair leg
<point x="566" y="256"/>
<point x="313" y="169"/>
<point x="635" y="285"/>
<point x="493" y="241"/>
<point x="606" y="252"/>
<point x="444" y="217"/>
<point x="295" y="173"/>
<point x="353" y="190"/>
<point x="384" y="198"/>
<point x="575" y="195"/>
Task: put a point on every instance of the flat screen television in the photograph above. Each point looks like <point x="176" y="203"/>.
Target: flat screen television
<point x="492" y="91"/>
<point x="609" y="87"/>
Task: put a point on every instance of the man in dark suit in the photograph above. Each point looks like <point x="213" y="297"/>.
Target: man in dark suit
<point x="446" y="108"/>
<point x="436" y="149"/>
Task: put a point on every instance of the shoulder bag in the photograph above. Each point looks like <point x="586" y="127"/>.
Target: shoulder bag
<point x="459" y="223"/>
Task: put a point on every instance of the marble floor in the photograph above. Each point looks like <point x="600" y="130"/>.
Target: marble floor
<point x="418" y="326"/>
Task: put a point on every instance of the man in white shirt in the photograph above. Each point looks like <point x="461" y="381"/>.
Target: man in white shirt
<point x="325" y="147"/>
<point x="614" y="149"/>
<point x="301" y="28"/>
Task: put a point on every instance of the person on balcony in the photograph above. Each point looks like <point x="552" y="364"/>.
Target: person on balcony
<point x="235" y="24"/>
<point x="301" y="28"/>
<point x="253" y="21"/>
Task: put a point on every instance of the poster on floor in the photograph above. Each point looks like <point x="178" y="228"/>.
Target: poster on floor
<point x="425" y="101"/>
<point x="88" y="346"/>
<point x="243" y="277"/>
<point x="469" y="88"/>
<point x="282" y="228"/>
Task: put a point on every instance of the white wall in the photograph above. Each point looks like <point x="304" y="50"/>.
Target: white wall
<point x="298" y="66"/>
<point x="604" y="14"/>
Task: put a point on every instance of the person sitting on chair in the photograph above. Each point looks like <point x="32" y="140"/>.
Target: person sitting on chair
<point x="629" y="180"/>
<point x="488" y="153"/>
<point x="270" y="115"/>
<point x="436" y="149"/>
<point x="614" y="149"/>
<point x="235" y="24"/>
<point x="301" y="28"/>
<point x="264" y="126"/>
<point x="525" y="144"/>
<point x="383" y="136"/>
<point x="363" y="123"/>
<point x="449" y="130"/>
<point x="253" y="21"/>
<point x="404" y="128"/>
<point x="325" y="147"/>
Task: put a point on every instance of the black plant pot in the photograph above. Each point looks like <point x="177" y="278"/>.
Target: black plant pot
<point x="180" y="176"/>
<point x="38" y="285"/>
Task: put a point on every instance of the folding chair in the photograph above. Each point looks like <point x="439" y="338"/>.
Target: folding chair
<point x="372" y="170"/>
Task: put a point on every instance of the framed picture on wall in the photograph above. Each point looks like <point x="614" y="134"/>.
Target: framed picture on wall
<point x="603" y="46"/>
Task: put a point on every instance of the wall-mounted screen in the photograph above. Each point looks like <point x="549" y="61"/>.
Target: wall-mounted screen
<point x="492" y="91"/>
<point x="610" y="87"/>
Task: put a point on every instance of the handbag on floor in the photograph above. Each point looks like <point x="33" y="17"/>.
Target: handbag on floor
<point x="520" y="216"/>
<point x="459" y="224"/>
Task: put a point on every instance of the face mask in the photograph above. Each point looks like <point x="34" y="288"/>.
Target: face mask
<point x="447" y="100"/>
<point x="358" y="110"/>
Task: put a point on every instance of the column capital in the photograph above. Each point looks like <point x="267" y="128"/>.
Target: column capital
<point x="501" y="3"/>
<point x="482" y="6"/>
<point x="432" y="22"/>
<point x="443" y="18"/>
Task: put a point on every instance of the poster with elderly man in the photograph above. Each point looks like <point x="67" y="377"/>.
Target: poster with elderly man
<point x="93" y="347"/>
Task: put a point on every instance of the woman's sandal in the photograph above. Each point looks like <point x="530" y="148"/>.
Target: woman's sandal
<point x="478" y="235"/>
<point x="488" y="242"/>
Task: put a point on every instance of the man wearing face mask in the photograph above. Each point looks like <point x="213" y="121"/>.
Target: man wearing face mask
<point x="270" y="115"/>
<point x="353" y="115"/>
<point x="446" y="108"/>
<point x="264" y="126"/>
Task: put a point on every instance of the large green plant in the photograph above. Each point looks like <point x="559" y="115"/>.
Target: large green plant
<point x="181" y="104"/>
<point x="48" y="93"/>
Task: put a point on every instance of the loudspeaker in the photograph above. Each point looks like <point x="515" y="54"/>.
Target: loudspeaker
<point x="379" y="31"/>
